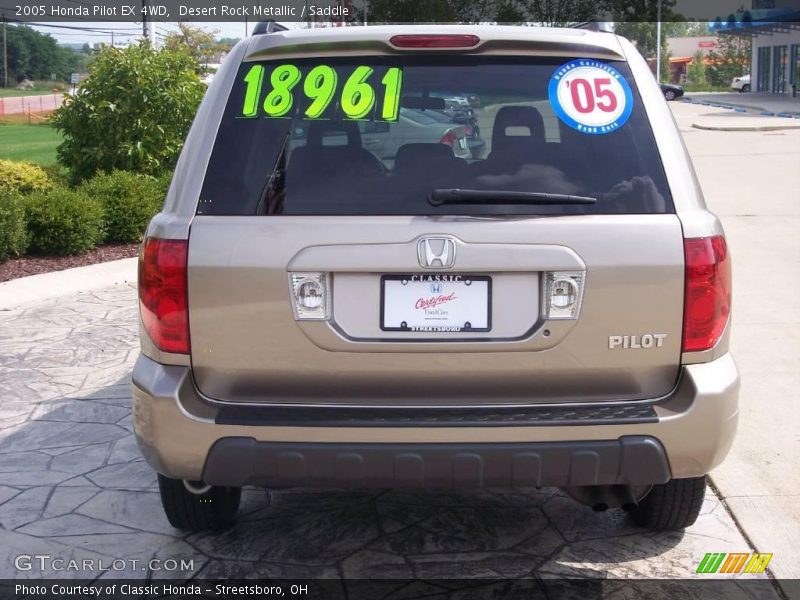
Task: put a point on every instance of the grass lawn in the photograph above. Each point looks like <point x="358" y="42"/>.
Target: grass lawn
<point x="13" y="92"/>
<point x="33" y="143"/>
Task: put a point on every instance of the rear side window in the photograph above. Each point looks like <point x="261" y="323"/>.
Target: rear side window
<point x="377" y="135"/>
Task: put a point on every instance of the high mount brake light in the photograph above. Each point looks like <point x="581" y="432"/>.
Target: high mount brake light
<point x="707" y="299"/>
<point x="435" y="41"/>
<point x="163" y="294"/>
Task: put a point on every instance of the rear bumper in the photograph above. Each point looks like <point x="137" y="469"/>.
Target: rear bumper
<point x="633" y="460"/>
<point x="685" y="434"/>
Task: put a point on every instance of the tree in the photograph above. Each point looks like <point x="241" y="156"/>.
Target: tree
<point x="132" y="113"/>
<point x="197" y="42"/>
<point x="227" y="43"/>
<point x="540" y="12"/>
<point x="730" y="58"/>
<point x="37" y="56"/>
<point x="696" y="73"/>
<point x="637" y="21"/>
<point x="413" y="11"/>
<point x="644" y="35"/>
<point x="561" y="13"/>
<point x="689" y="29"/>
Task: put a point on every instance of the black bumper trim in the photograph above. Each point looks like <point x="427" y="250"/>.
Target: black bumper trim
<point x="633" y="460"/>
<point x="501" y="416"/>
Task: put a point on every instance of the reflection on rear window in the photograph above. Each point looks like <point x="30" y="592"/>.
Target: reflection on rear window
<point x="375" y="135"/>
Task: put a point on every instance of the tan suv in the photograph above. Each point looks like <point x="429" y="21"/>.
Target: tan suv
<point x="550" y="311"/>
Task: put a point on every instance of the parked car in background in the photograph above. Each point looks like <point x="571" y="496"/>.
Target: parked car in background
<point x="671" y="91"/>
<point x="473" y="99"/>
<point x="383" y="140"/>
<point x="741" y="84"/>
<point x="472" y="130"/>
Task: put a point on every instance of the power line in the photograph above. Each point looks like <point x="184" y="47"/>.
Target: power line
<point x="73" y="27"/>
<point x="104" y="35"/>
<point x="84" y="32"/>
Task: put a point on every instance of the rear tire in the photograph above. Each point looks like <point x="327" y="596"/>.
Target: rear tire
<point x="671" y="506"/>
<point x="669" y="95"/>
<point x="213" y="510"/>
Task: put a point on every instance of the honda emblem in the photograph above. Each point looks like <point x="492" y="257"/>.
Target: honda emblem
<point x="436" y="253"/>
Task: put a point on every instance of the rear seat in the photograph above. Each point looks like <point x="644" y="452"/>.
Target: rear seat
<point x="335" y="167"/>
<point x="435" y="165"/>
<point x="510" y="151"/>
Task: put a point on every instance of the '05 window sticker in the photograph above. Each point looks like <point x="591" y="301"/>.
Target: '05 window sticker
<point x="590" y="96"/>
<point x="364" y="94"/>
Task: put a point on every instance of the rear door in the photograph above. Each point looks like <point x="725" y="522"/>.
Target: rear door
<point x="321" y="272"/>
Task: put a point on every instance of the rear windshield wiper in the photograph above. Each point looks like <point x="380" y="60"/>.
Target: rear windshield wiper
<point x="458" y="196"/>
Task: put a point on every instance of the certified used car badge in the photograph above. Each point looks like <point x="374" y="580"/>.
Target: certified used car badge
<point x="436" y="253"/>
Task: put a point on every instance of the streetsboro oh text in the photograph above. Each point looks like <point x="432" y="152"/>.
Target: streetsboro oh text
<point x="256" y="11"/>
<point x="165" y="589"/>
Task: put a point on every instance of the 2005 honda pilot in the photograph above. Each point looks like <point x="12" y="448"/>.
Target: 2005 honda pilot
<point x="338" y="292"/>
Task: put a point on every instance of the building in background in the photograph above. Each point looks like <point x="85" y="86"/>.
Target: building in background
<point x="774" y="29"/>
<point x="682" y="51"/>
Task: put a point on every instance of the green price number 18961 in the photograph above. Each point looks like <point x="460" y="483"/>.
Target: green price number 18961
<point x="357" y="97"/>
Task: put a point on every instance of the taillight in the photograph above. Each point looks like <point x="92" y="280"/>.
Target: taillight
<point x="163" y="294"/>
<point x="707" y="299"/>
<point x="435" y="41"/>
<point x="450" y="138"/>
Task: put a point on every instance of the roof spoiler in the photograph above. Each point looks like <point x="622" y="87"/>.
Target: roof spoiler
<point x="601" y="26"/>
<point x="268" y="26"/>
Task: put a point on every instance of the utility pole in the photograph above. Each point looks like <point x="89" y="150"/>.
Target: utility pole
<point x="5" y="52"/>
<point x="658" y="44"/>
<point x="145" y="32"/>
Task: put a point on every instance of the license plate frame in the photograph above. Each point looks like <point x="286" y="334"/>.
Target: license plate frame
<point x="427" y="280"/>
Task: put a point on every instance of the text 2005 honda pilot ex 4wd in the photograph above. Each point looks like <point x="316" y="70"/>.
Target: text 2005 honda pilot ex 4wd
<point x="346" y="287"/>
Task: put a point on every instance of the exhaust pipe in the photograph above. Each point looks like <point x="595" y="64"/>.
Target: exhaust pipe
<point x="603" y="497"/>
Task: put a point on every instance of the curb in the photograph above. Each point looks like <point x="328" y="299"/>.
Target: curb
<point x="739" y="107"/>
<point x="727" y="104"/>
<point x="49" y="286"/>
<point x="746" y="127"/>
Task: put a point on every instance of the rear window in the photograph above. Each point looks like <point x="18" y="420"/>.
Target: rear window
<point x="377" y="135"/>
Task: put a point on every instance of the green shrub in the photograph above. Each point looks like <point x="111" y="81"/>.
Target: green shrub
<point x="129" y="202"/>
<point x="63" y="221"/>
<point x="163" y="182"/>
<point x="13" y="233"/>
<point x="59" y="175"/>
<point x="132" y="112"/>
<point x="23" y="177"/>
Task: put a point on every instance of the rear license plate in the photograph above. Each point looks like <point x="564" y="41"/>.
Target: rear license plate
<point x="436" y="303"/>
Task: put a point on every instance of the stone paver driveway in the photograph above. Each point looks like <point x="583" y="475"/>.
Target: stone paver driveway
<point x="73" y="486"/>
